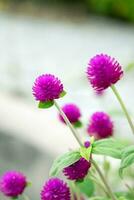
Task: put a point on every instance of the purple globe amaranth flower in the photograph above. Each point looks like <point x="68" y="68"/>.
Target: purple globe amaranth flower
<point x="72" y="112"/>
<point x="55" y="189"/>
<point x="47" y="87"/>
<point x="103" y="71"/>
<point x="12" y="183"/>
<point x="87" y="144"/>
<point x="100" y="125"/>
<point x="78" y="170"/>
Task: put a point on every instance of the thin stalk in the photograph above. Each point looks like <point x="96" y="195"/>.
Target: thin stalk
<point x="68" y="122"/>
<point x="105" y="170"/>
<point x="104" y="180"/>
<point x="99" y="184"/>
<point x="129" y="188"/>
<point x="76" y="137"/>
<point x="72" y="191"/>
<point x="123" y="107"/>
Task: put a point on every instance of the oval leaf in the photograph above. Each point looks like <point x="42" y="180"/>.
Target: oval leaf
<point x="127" y="159"/>
<point x="62" y="94"/>
<point x="86" y="152"/>
<point x="108" y="147"/>
<point x="77" y="124"/>
<point x="86" y="187"/>
<point x="46" y="104"/>
<point x="64" y="161"/>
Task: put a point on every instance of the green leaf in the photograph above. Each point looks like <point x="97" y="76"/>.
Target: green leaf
<point x="86" y="152"/>
<point x="86" y="187"/>
<point x="46" y="104"/>
<point x="62" y="94"/>
<point x="130" y="195"/>
<point x="109" y="147"/>
<point x="127" y="159"/>
<point x="77" y="124"/>
<point x="122" y="198"/>
<point x="64" y="161"/>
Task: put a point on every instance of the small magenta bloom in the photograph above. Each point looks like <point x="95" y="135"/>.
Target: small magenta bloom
<point x="103" y="71"/>
<point x="12" y="183"/>
<point x="55" y="189"/>
<point x="100" y="125"/>
<point x="72" y="112"/>
<point x="78" y="170"/>
<point x="87" y="144"/>
<point x="47" y="87"/>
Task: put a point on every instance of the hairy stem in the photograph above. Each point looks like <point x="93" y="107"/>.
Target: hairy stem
<point x="93" y="178"/>
<point x="104" y="180"/>
<point x="68" y="122"/>
<point x="123" y="107"/>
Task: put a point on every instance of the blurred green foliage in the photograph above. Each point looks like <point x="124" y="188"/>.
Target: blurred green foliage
<point x="123" y="9"/>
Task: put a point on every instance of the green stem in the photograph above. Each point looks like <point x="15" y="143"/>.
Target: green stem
<point x="105" y="167"/>
<point x="129" y="188"/>
<point x="76" y="137"/>
<point x="104" y="180"/>
<point x="123" y="107"/>
<point x="68" y="123"/>
<point x="73" y="191"/>
<point x="99" y="184"/>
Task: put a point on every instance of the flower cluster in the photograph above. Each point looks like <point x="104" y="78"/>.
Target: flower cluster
<point x="103" y="71"/>
<point x="72" y="112"/>
<point x="55" y="189"/>
<point x="78" y="170"/>
<point x="100" y="125"/>
<point x="47" y="87"/>
<point x="12" y="183"/>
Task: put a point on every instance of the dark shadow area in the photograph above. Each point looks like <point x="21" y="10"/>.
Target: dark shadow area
<point x="17" y="155"/>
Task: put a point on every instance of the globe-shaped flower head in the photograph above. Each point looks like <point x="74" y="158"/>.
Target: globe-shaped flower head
<point x="55" y="189"/>
<point x="72" y="112"/>
<point x="100" y="125"/>
<point x="47" y="87"/>
<point x="78" y="170"/>
<point x="12" y="183"/>
<point x="103" y="71"/>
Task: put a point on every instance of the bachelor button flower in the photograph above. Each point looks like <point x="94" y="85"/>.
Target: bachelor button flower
<point x="55" y="189"/>
<point x="100" y="125"/>
<point x="78" y="170"/>
<point x="47" y="87"/>
<point x="72" y="112"/>
<point x="103" y="71"/>
<point x="12" y="183"/>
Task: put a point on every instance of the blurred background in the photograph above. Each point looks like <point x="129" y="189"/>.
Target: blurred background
<point x="58" y="37"/>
